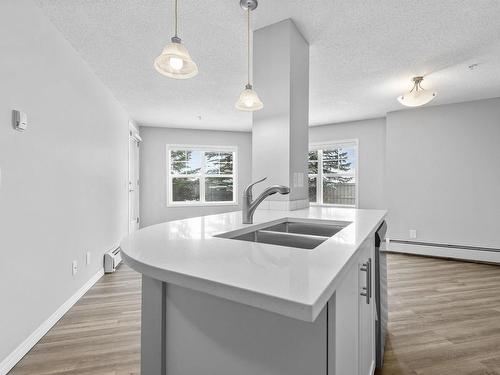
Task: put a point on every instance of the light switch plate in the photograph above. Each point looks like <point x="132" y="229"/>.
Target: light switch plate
<point x="413" y="233"/>
<point x="298" y="179"/>
<point x="20" y="120"/>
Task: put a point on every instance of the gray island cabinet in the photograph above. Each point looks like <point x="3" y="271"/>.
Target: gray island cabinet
<point x="215" y="305"/>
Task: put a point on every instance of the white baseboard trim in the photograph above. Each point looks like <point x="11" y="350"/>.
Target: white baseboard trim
<point x="10" y="361"/>
<point x="443" y="252"/>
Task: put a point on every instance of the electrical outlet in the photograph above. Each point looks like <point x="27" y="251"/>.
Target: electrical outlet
<point x="74" y="267"/>
<point x="413" y="233"/>
<point x="87" y="258"/>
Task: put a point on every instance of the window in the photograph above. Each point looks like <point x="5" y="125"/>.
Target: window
<point x="333" y="173"/>
<point x="201" y="175"/>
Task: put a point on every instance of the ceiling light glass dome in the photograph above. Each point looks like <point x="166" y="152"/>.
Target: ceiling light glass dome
<point x="417" y="96"/>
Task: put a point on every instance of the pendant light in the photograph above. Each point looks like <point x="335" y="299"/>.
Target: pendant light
<point x="417" y="96"/>
<point x="175" y="61"/>
<point x="248" y="100"/>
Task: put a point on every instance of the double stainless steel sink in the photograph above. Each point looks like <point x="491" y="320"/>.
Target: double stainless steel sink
<point x="289" y="232"/>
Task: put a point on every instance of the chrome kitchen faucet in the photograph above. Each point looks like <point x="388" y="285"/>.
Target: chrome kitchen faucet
<point x="249" y="207"/>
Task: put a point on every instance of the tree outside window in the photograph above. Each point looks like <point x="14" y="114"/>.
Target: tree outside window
<point x="200" y="175"/>
<point x="332" y="174"/>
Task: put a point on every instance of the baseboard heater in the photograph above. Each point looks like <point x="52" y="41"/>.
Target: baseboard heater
<point x="464" y="247"/>
<point x="112" y="259"/>
<point x="465" y="252"/>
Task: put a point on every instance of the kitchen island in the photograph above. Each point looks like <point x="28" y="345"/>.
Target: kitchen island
<point x="217" y="302"/>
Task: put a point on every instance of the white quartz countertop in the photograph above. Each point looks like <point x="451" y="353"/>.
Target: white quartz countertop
<point x="290" y="281"/>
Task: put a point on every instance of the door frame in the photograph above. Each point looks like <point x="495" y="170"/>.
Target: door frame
<point x="134" y="137"/>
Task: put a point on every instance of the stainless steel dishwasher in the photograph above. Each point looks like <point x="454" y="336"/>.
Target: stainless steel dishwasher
<point x="382" y="316"/>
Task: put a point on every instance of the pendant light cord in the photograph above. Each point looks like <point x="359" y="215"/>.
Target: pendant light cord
<point x="176" y="13"/>
<point x="248" y="45"/>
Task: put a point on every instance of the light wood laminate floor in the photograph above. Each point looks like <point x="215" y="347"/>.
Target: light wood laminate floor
<point x="100" y="334"/>
<point x="444" y="319"/>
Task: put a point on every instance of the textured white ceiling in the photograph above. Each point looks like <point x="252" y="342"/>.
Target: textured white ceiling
<point x="363" y="53"/>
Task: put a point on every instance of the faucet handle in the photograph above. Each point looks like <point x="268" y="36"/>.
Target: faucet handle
<point x="248" y="189"/>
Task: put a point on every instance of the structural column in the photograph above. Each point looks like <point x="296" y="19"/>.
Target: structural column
<point x="280" y="134"/>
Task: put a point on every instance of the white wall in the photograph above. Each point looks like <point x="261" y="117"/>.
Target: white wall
<point x="299" y="115"/>
<point x="153" y="157"/>
<point x="64" y="180"/>
<point x="371" y="137"/>
<point x="280" y="129"/>
<point x="443" y="173"/>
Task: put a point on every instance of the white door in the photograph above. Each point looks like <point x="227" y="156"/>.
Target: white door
<point x="133" y="184"/>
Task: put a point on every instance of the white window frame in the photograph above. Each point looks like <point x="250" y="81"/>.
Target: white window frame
<point x="202" y="176"/>
<point x="315" y="146"/>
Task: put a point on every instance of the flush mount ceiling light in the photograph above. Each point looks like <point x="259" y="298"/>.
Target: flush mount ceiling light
<point x="249" y="100"/>
<point x="175" y="61"/>
<point x="417" y="96"/>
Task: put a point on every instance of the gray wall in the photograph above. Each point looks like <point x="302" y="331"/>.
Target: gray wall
<point x="443" y="173"/>
<point x="63" y="181"/>
<point x="371" y="137"/>
<point x="153" y="155"/>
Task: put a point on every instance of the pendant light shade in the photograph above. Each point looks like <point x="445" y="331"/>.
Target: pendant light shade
<point x="417" y="96"/>
<point x="249" y="100"/>
<point x="175" y="60"/>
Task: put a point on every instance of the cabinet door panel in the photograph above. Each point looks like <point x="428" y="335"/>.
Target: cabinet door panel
<point x="346" y="324"/>
<point x="366" y="310"/>
<point x="355" y="319"/>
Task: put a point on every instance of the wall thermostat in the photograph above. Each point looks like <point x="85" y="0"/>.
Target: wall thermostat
<point x="20" y="121"/>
